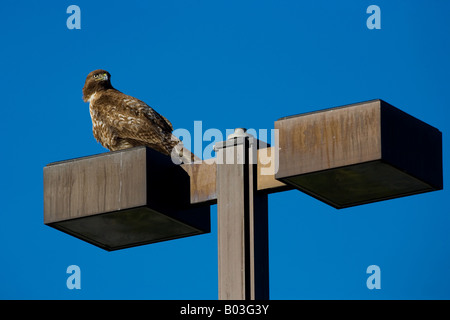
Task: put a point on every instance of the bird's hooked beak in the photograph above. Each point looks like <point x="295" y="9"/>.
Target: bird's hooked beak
<point x="100" y="77"/>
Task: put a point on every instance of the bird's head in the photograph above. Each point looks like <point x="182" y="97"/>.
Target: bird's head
<point x="97" y="80"/>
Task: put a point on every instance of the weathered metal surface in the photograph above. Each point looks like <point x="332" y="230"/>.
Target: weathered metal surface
<point x="122" y="199"/>
<point x="359" y="154"/>
<point x="242" y="219"/>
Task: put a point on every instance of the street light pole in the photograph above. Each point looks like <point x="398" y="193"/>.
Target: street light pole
<point x="242" y="217"/>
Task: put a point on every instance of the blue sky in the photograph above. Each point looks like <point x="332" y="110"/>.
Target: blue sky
<point x="228" y="64"/>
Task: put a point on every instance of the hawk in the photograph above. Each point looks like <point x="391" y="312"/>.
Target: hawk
<point x="120" y="121"/>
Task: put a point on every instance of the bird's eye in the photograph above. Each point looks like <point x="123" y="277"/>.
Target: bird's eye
<point x="95" y="76"/>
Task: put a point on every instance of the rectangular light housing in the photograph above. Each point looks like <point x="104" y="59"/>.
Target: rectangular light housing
<point x="122" y="199"/>
<point x="359" y="153"/>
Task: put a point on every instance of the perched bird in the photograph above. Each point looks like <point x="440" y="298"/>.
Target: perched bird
<point x="120" y="121"/>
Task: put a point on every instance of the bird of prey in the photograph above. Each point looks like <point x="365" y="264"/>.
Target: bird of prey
<point x="120" y="121"/>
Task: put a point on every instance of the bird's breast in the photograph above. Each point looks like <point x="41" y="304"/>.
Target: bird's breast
<point x="92" y="97"/>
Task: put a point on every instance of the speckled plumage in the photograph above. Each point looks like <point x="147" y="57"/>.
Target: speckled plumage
<point x="120" y="121"/>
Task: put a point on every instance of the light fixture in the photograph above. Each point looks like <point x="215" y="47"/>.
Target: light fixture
<point x="122" y="199"/>
<point x="359" y="153"/>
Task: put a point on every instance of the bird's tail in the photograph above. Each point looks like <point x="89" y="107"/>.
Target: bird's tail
<point x="180" y="154"/>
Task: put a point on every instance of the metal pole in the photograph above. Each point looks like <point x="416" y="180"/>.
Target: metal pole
<point x="242" y="222"/>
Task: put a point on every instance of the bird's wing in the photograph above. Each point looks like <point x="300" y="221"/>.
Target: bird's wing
<point x="134" y="119"/>
<point x="142" y="109"/>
